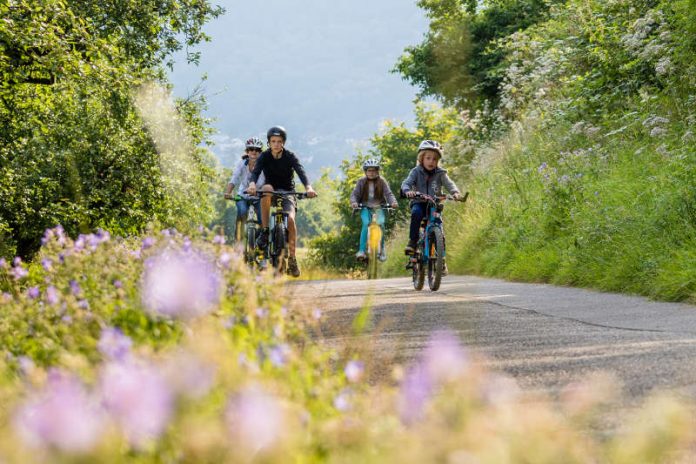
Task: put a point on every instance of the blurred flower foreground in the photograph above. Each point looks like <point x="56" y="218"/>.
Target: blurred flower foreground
<point x="167" y="349"/>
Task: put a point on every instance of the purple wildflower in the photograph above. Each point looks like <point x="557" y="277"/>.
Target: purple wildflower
<point x="118" y="283"/>
<point x="79" y="244"/>
<point x="47" y="264"/>
<point x="26" y="365"/>
<point x="255" y="419"/>
<point x="186" y="246"/>
<point x="148" y="242"/>
<point x="114" y="344"/>
<point x="219" y="240"/>
<point x="444" y="358"/>
<point x="17" y="261"/>
<point x="33" y="292"/>
<point x="354" y="370"/>
<point x="138" y="398"/>
<point x="229" y="322"/>
<point x="75" y="288"/>
<point x="416" y="390"/>
<point x="261" y="313"/>
<point x="225" y="260"/>
<point x="279" y="354"/>
<point x="51" y="295"/>
<point x="184" y="285"/>
<point x="316" y="314"/>
<point x="3" y="263"/>
<point x="83" y="304"/>
<point x="67" y="319"/>
<point x="343" y="400"/>
<point x="18" y="271"/>
<point x="63" y="415"/>
<point x="542" y="167"/>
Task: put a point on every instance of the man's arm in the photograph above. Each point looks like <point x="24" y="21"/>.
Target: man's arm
<point x="299" y="169"/>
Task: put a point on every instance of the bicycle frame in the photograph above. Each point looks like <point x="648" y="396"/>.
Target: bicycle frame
<point x="434" y="219"/>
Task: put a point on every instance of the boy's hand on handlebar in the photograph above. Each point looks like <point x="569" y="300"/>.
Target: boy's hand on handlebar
<point x="310" y="192"/>
<point x="251" y="189"/>
<point x="395" y="205"/>
<point x="228" y="196"/>
<point x="411" y="194"/>
<point x="457" y="196"/>
<point x="354" y="205"/>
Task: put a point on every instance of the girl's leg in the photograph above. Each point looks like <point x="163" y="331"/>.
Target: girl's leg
<point x="242" y="209"/>
<point x="380" y="220"/>
<point x="417" y="214"/>
<point x="365" y="217"/>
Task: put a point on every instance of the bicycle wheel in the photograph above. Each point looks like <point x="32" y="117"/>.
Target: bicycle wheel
<point x="418" y="269"/>
<point x="250" y="245"/>
<point x="278" y="250"/>
<point x="373" y="241"/>
<point x="437" y="258"/>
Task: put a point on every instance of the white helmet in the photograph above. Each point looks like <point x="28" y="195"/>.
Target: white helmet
<point x="254" y="142"/>
<point x="430" y="145"/>
<point x="371" y="163"/>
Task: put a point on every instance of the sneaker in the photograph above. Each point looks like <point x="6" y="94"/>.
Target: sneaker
<point x="262" y="239"/>
<point x="360" y="255"/>
<point x="410" y="248"/>
<point x="293" y="269"/>
<point x="263" y="265"/>
<point x="382" y="257"/>
<point x="445" y="271"/>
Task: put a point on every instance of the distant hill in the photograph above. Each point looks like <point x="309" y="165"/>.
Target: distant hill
<point x="319" y="68"/>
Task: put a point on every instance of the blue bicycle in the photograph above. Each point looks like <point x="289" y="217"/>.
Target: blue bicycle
<point x="430" y="250"/>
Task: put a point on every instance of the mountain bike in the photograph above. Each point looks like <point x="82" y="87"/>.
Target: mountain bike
<point x="375" y="239"/>
<point x="278" y="250"/>
<point x="430" y="250"/>
<point x="252" y="227"/>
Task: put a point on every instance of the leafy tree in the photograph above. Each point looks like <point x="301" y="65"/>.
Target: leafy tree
<point x="73" y="146"/>
<point x="460" y="60"/>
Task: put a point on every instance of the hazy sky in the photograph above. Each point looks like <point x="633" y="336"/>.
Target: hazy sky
<point x="320" y="68"/>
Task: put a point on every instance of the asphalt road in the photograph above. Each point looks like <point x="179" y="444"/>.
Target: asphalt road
<point x="541" y="335"/>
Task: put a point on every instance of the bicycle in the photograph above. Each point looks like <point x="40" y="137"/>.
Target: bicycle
<point x="277" y="250"/>
<point x="430" y="250"/>
<point x="375" y="239"/>
<point x="252" y="227"/>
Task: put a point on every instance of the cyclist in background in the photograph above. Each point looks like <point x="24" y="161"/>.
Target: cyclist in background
<point x="426" y="178"/>
<point x="240" y="179"/>
<point x="279" y="166"/>
<point x="372" y="190"/>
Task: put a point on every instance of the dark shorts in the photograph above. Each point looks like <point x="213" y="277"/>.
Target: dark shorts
<point x="288" y="204"/>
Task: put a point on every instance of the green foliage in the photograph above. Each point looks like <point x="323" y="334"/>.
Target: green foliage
<point x="318" y="216"/>
<point x="73" y="149"/>
<point x="460" y="59"/>
<point x="593" y="184"/>
<point x="396" y="147"/>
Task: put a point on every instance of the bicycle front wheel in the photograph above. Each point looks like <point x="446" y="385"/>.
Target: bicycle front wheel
<point x="436" y="261"/>
<point x="373" y="242"/>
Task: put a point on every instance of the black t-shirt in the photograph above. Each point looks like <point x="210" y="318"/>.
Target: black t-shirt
<point x="280" y="173"/>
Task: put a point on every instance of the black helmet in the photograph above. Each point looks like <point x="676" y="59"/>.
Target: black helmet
<point x="277" y="130"/>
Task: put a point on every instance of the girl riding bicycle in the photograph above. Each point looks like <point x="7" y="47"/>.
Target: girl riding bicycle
<point x="240" y="179"/>
<point x="426" y="178"/>
<point x="371" y="191"/>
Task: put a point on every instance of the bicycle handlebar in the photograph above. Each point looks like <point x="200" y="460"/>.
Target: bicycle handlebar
<point x="437" y="199"/>
<point x="280" y="193"/>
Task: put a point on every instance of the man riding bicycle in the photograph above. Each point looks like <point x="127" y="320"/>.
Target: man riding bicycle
<point x="279" y="166"/>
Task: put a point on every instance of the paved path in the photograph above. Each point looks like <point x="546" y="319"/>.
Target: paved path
<point x="544" y="336"/>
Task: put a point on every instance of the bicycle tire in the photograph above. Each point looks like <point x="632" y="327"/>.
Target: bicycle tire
<point x="250" y="246"/>
<point x="436" y="261"/>
<point x="373" y="242"/>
